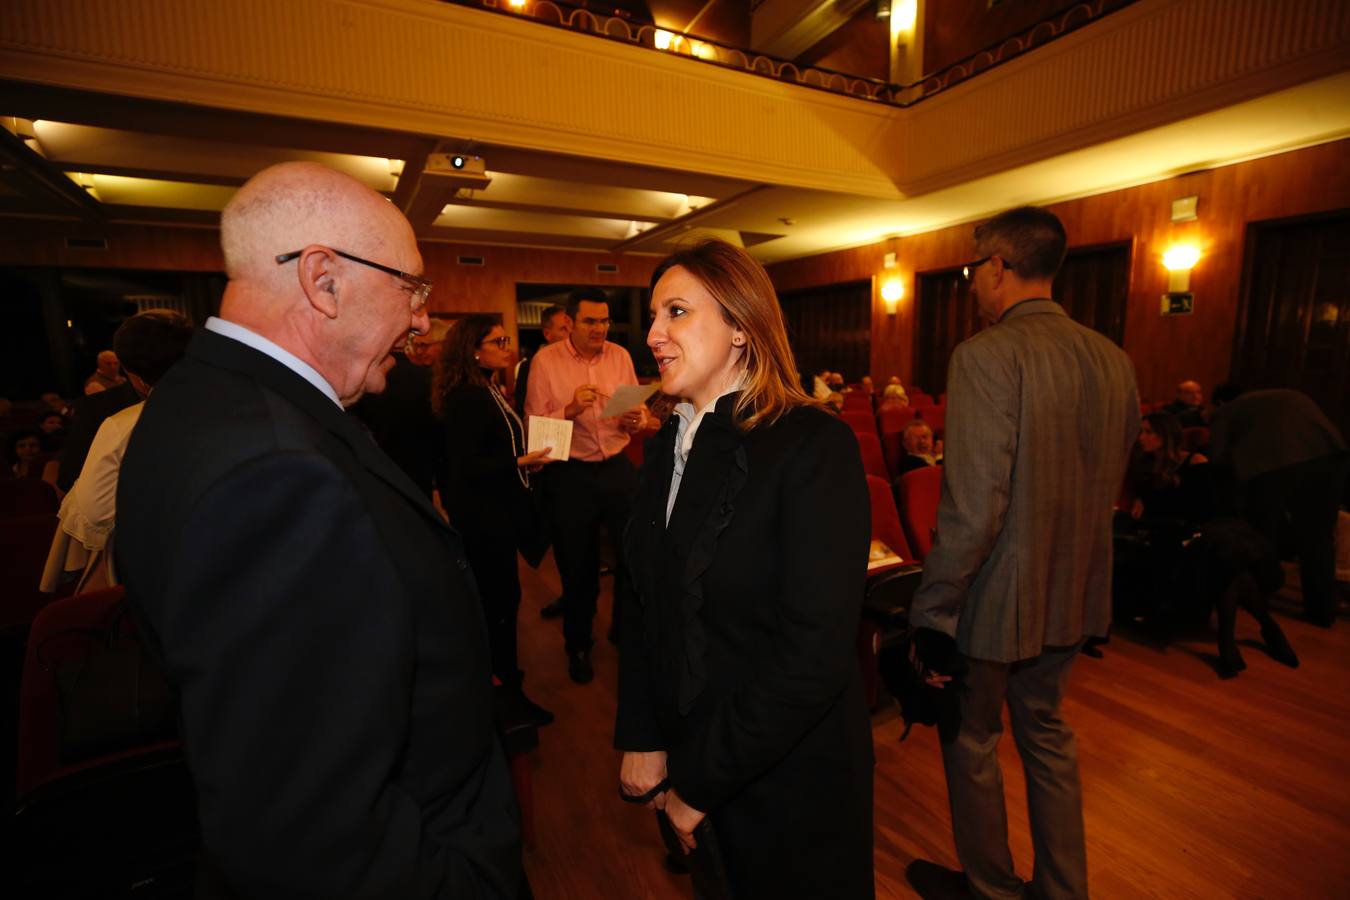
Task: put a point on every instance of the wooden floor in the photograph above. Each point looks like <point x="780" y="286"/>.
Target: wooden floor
<point x="1194" y="787"/>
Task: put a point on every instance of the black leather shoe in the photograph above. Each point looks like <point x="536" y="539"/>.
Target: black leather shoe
<point x="1277" y="645"/>
<point x="552" y="610"/>
<point x="579" y="666"/>
<point x="1230" y="663"/>
<point x="934" y="882"/>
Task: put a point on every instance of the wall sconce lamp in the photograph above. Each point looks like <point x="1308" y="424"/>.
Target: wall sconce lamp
<point x="891" y="292"/>
<point x="1178" y="261"/>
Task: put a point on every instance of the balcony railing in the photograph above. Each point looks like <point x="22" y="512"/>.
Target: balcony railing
<point x="617" y="25"/>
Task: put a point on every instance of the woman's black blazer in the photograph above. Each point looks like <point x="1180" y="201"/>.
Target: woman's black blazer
<point x="739" y="657"/>
<point x="480" y="487"/>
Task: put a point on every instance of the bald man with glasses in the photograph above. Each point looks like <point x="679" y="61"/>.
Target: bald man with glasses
<point x="311" y="606"/>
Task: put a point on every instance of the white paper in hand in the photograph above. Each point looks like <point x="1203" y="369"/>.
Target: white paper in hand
<point x="546" y="432"/>
<point x="626" y="397"/>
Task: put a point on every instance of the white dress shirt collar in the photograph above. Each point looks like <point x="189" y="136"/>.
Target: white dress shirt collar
<point x="237" y="332"/>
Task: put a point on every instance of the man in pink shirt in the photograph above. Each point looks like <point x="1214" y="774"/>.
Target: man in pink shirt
<point x="573" y="379"/>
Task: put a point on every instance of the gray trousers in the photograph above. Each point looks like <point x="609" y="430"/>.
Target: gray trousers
<point x="1033" y="689"/>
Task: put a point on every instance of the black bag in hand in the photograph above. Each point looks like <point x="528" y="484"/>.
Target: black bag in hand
<point x="902" y="668"/>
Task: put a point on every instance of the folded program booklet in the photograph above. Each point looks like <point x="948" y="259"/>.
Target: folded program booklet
<point x="880" y="555"/>
<point x="554" y="433"/>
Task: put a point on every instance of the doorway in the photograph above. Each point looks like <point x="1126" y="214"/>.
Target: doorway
<point x="1293" y="328"/>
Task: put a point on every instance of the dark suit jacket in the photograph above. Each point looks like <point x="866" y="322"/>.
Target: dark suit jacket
<point x="481" y="488"/>
<point x="1263" y="431"/>
<point x="739" y="659"/>
<point x="320" y="622"/>
<point x="90" y="411"/>
<point x="402" y="423"/>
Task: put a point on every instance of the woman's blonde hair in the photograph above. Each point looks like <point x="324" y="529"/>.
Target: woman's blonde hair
<point x="742" y="289"/>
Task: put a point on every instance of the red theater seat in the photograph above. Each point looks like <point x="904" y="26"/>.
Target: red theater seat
<point x="917" y="494"/>
<point x="861" y="421"/>
<point x="26" y="497"/>
<point x="874" y="462"/>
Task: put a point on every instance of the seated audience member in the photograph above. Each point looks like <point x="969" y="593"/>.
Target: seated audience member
<point x="1292" y="461"/>
<point x="53" y="429"/>
<point x="893" y="396"/>
<point x="1199" y="556"/>
<point x="148" y="344"/>
<point x="1189" y="405"/>
<point x="834" y="401"/>
<point x="820" y="385"/>
<point x="920" y="450"/>
<point x="57" y="404"/>
<point x="867" y="386"/>
<point x="107" y="375"/>
<point x="25" y="453"/>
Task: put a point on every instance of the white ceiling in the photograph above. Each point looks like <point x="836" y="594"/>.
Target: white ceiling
<point x="147" y="163"/>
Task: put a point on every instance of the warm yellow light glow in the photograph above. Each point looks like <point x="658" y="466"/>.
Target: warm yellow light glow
<point x="1181" y="257"/>
<point x="891" y="292"/>
<point x="904" y="13"/>
<point x="662" y="39"/>
<point x="516" y="4"/>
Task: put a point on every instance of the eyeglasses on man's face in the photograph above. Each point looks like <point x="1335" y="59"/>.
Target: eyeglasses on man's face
<point x="503" y="342"/>
<point x="418" y="287"/>
<point x="968" y="270"/>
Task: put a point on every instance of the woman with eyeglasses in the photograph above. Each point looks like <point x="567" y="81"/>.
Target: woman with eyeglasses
<point x="485" y="484"/>
<point x="741" y="713"/>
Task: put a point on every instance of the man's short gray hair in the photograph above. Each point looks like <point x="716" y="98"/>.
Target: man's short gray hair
<point x="1029" y="239"/>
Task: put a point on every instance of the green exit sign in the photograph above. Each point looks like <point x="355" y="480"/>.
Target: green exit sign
<point x="1178" y="303"/>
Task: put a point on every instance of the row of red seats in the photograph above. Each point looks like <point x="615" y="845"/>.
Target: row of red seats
<point x="883" y="448"/>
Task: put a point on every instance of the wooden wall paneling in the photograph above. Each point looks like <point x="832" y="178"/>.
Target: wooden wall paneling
<point x="459" y="288"/>
<point x="830" y="328"/>
<point x="1093" y="286"/>
<point x="947" y="316"/>
<point x="1165" y="349"/>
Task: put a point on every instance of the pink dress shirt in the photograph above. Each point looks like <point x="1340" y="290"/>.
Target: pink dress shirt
<point x="556" y="373"/>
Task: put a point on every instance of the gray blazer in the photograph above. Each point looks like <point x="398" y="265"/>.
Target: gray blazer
<point x="1040" y="419"/>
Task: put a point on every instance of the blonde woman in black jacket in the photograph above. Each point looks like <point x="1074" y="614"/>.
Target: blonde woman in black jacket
<point x="739" y="686"/>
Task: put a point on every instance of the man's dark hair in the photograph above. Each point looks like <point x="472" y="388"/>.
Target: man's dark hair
<point x="149" y="343"/>
<point x="549" y="312"/>
<point x="1226" y="393"/>
<point x="1030" y="240"/>
<point x="574" y="300"/>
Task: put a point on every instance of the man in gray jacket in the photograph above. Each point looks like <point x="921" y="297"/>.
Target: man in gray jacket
<point x="1040" y="418"/>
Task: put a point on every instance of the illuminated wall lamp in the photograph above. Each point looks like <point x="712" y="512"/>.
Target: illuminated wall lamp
<point x="1178" y="261"/>
<point x="891" y="292"/>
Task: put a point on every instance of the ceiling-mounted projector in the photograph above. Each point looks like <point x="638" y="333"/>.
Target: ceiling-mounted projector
<point x="458" y="170"/>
